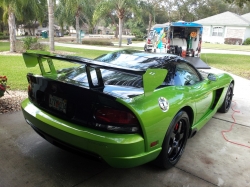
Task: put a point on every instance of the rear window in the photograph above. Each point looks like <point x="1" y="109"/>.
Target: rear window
<point x="79" y="76"/>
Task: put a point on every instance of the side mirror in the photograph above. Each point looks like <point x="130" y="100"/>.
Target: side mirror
<point x="211" y="77"/>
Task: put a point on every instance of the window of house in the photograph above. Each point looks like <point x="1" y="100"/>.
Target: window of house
<point x="217" y="31"/>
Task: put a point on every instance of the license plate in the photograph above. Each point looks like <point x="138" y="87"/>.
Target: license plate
<point x="58" y="103"/>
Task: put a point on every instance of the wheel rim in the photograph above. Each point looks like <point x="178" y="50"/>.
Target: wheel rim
<point x="177" y="140"/>
<point x="229" y="97"/>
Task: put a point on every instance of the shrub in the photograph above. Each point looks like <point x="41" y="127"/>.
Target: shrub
<point x="3" y="85"/>
<point x="137" y="39"/>
<point x="233" y="41"/>
<point x="29" y="43"/>
<point x="247" y="41"/>
<point x="39" y="46"/>
<point x="97" y="42"/>
<point x="4" y="37"/>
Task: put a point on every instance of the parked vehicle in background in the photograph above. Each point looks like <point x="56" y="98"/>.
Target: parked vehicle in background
<point x="180" y="38"/>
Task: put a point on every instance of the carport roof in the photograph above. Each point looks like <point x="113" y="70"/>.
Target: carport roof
<point x="225" y="19"/>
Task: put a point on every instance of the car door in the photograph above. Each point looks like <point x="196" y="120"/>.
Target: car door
<point x="199" y="91"/>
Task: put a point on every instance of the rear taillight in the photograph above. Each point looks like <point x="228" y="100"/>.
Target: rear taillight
<point x="116" y="120"/>
<point x="149" y="41"/>
<point x="115" y="116"/>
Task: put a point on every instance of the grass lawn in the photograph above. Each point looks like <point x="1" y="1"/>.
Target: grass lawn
<point x="226" y="47"/>
<point x="82" y="52"/>
<point x="4" y="46"/>
<point x="14" y="68"/>
<point x="236" y="64"/>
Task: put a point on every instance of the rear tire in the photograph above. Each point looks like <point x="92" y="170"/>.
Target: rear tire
<point x="227" y="100"/>
<point x="174" y="142"/>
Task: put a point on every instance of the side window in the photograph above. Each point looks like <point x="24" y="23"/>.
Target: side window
<point x="185" y="75"/>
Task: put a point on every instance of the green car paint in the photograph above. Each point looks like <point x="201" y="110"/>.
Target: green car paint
<point x="118" y="150"/>
<point x="201" y="101"/>
<point x="155" y="123"/>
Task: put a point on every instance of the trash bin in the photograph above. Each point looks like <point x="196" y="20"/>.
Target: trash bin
<point x="81" y="36"/>
<point x="129" y="41"/>
<point x="44" y="34"/>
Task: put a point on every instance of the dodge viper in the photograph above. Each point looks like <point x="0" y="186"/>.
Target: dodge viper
<point x="126" y="108"/>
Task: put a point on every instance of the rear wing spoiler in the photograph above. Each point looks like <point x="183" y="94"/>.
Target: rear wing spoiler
<point x="152" y="78"/>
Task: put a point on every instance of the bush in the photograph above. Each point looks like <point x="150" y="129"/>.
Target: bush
<point x="137" y="39"/>
<point x="247" y="41"/>
<point x="4" y="37"/>
<point x="38" y="46"/>
<point x="97" y="42"/>
<point x="233" y="41"/>
<point x="29" y="43"/>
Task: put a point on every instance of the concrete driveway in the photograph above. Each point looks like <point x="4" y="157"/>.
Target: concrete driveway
<point x="26" y="159"/>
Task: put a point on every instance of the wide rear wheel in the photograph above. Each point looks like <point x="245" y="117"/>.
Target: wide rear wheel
<point x="175" y="141"/>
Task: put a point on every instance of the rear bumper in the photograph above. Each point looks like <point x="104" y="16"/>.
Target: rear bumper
<point x="118" y="150"/>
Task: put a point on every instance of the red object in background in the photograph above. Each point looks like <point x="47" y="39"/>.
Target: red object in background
<point x="183" y="53"/>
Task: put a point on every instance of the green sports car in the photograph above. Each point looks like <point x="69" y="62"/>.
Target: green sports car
<point x="126" y="108"/>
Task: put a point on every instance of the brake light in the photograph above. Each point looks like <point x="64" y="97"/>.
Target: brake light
<point x="149" y="41"/>
<point x="110" y="115"/>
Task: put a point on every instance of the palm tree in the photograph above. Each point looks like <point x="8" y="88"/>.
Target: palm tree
<point x="12" y="9"/>
<point x="51" y="24"/>
<point x="22" y="10"/>
<point x="148" y="7"/>
<point x="109" y="15"/>
<point x="118" y="7"/>
<point x="77" y="8"/>
<point x="32" y="13"/>
<point x="61" y="15"/>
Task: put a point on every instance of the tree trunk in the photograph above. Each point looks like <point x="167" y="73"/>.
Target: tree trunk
<point x="116" y="30"/>
<point x="120" y="32"/>
<point x="30" y="30"/>
<point x="51" y="25"/>
<point x="62" y="30"/>
<point x="114" y="24"/>
<point x="12" y="31"/>
<point x="77" y="29"/>
<point x="33" y="28"/>
<point x="149" y="23"/>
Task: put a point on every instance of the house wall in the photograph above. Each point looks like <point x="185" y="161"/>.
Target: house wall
<point x="228" y="32"/>
<point x="247" y="33"/>
<point x="207" y="36"/>
<point x="236" y="32"/>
